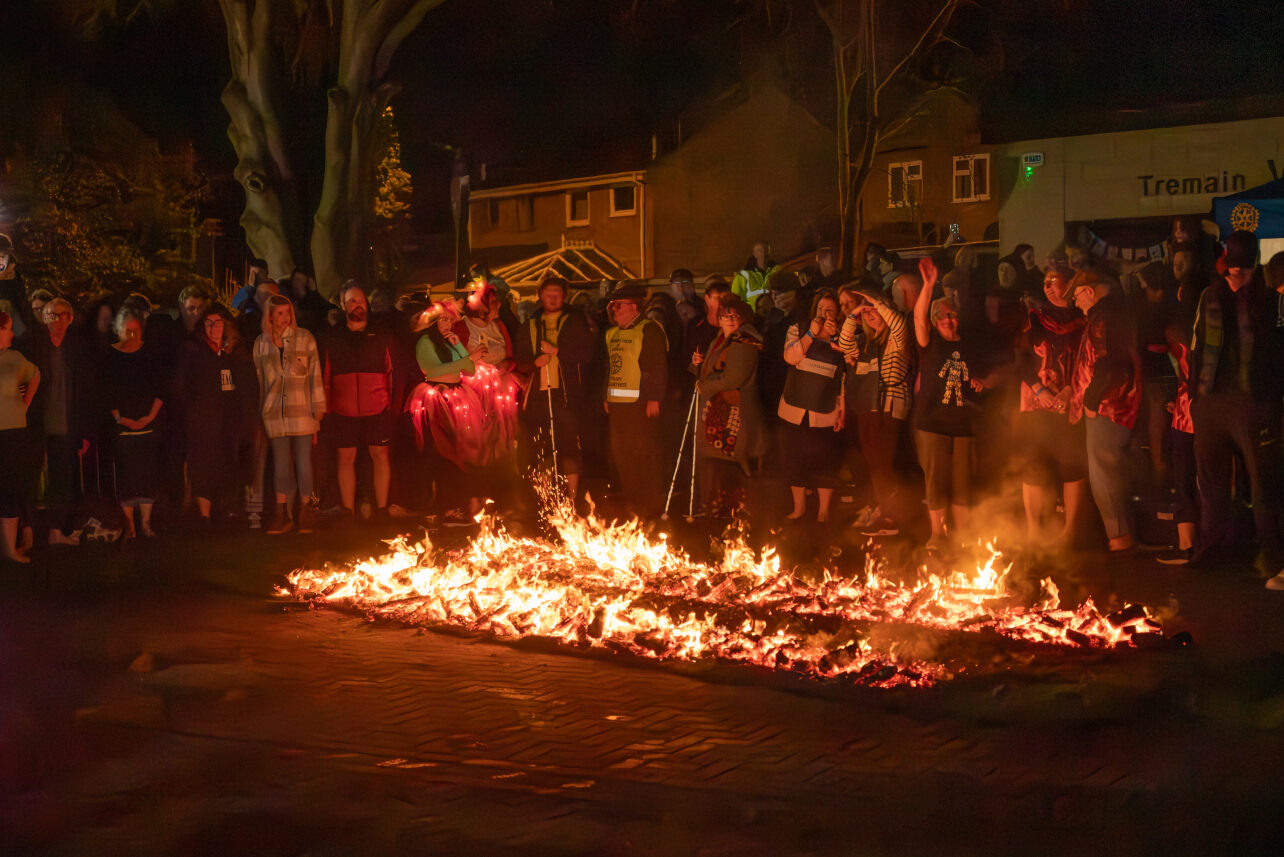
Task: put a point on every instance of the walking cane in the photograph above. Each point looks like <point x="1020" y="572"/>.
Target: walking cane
<point x="695" y="429"/>
<point x="552" y="432"/>
<point x="677" y="465"/>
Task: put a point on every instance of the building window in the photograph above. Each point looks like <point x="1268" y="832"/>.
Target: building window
<point x="904" y="184"/>
<point x="492" y="212"/>
<point x="971" y="178"/>
<point x="577" y="208"/>
<point x="525" y="213"/>
<point x="624" y="200"/>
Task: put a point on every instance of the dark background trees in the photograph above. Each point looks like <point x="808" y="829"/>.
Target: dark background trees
<point x="567" y="86"/>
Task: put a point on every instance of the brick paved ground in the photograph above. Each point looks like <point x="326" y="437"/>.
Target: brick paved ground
<point x="164" y="703"/>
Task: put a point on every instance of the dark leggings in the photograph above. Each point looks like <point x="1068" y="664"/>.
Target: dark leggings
<point x="1184" y="482"/>
<point x="1226" y="425"/>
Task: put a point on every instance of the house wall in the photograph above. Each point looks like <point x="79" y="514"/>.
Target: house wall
<point x="762" y="170"/>
<point x="1131" y="174"/>
<point x="948" y="128"/>
<point x="618" y="235"/>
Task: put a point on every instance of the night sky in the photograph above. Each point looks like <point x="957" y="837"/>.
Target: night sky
<point x="538" y="87"/>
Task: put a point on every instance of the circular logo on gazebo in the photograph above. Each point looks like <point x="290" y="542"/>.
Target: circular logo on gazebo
<point x="1245" y="216"/>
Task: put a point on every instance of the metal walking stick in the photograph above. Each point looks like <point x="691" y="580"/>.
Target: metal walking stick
<point x="695" y="430"/>
<point x="552" y="432"/>
<point x="677" y="465"/>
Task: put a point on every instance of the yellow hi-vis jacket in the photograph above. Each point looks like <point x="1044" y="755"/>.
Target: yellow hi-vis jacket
<point x="750" y="284"/>
<point x="624" y="351"/>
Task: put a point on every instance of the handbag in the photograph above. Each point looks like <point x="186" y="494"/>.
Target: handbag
<point x="722" y="423"/>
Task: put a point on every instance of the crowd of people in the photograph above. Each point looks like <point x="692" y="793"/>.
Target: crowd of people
<point x="1123" y="399"/>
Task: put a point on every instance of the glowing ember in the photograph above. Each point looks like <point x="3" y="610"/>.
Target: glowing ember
<point x="614" y="585"/>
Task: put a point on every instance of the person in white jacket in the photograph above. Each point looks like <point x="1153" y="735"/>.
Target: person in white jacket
<point x="292" y="401"/>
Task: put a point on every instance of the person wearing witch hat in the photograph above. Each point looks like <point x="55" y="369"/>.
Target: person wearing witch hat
<point x="637" y="374"/>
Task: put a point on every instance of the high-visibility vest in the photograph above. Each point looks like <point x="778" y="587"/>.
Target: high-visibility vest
<point x="624" y="351"/>
<point x="814" y="383"/>
<point x="750" y="284"/>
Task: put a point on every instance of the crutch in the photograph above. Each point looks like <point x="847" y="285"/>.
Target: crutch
<point x="677" y="465"/>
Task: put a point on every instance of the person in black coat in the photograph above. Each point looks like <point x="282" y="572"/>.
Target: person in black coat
<point x="219" y="393"/>
<point x="67" y="409"/>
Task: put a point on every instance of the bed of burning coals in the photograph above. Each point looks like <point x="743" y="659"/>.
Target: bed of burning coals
<point x="621" y="586"/>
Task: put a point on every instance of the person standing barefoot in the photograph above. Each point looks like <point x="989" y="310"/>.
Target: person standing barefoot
<point x="19" y="379"/>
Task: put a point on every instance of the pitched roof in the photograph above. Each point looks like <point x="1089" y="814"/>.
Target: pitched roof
<point x="574" y="261"/>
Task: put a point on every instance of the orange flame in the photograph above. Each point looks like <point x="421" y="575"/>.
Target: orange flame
<point x="610" y="584"/>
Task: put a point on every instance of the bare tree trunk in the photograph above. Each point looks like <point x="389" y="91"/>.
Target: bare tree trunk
<point x="856" y="44"/>
<point x="271" y="218"/>
<point x="342" y="229"/>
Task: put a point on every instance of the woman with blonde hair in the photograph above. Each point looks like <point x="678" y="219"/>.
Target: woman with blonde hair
<point x="292" y="402"/>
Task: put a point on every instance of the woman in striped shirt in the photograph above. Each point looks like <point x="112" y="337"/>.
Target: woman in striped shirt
<point x="875" y="345"/>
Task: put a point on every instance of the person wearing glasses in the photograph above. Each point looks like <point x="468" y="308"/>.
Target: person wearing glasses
<point x="65" y="408"/>
<point x="946" y="407"/>
<point x="637" y="379"/>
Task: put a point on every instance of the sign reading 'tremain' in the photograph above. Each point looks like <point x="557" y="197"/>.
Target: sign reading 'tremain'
<point x="1190" y="185"/>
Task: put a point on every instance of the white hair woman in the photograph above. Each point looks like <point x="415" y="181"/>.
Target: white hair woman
<point x="135" y="401"/>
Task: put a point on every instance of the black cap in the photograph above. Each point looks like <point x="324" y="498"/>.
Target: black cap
<point x="634" y="293"/>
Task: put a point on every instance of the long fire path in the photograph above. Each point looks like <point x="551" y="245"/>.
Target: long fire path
<point x="169" y="701"/>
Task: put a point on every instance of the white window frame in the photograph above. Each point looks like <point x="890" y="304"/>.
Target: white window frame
<point x="906" y="168"/>
<point x="623" y="212"/>
<point x="964" y="165"/>
<point x="570" y="208"/>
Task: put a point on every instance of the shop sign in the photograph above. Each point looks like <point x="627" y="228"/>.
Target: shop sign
<point x="1192" y="185"/>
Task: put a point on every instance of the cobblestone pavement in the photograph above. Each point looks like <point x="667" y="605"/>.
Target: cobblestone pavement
<point x="165" y="703"/>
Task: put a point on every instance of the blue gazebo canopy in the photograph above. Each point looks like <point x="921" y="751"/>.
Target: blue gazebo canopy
<point x="1259" y="209"/>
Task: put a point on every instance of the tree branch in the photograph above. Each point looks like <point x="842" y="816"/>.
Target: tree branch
<point x="928" y="36"/>
<point x="399" y="32"/>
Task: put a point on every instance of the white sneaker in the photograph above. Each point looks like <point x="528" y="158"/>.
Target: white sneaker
<point x="255" y="521"/>
<point x="867" y="516"/>
<point x="1276" y="582"/>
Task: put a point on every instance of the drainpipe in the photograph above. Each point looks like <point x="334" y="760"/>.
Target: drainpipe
<point x="641" y="229"/>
